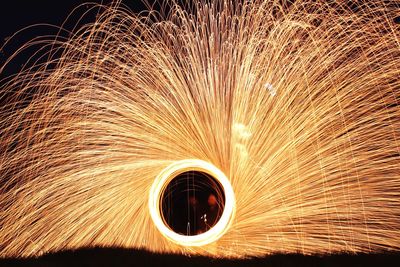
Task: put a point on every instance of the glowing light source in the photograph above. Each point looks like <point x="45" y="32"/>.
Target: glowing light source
<point x="161" y="182"/>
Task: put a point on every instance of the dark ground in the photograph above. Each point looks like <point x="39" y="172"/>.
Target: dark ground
<point x="126" y="257"/>
<point x="17" y="14"/>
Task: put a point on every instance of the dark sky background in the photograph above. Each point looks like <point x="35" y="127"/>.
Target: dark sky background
<point x="17" y="14"/>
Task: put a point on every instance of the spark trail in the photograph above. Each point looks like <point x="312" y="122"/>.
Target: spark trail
<point x="298" y="105"/>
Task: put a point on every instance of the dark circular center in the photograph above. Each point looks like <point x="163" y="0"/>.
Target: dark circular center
<point x="192" y="203"/>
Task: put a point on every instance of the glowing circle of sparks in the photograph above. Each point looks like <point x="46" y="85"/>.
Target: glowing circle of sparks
<point x="159" y="186"/>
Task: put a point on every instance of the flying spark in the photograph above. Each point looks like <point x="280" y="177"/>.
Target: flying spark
<point x="89" y="137"/>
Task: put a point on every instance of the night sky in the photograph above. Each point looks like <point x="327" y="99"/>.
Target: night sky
<point x="17" y="14"/>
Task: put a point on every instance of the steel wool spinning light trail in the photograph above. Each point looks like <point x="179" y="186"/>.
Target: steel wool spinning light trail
<point x="288" y="113"/>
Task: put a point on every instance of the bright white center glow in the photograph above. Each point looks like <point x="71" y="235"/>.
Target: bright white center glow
<point x="162" y="181"/>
